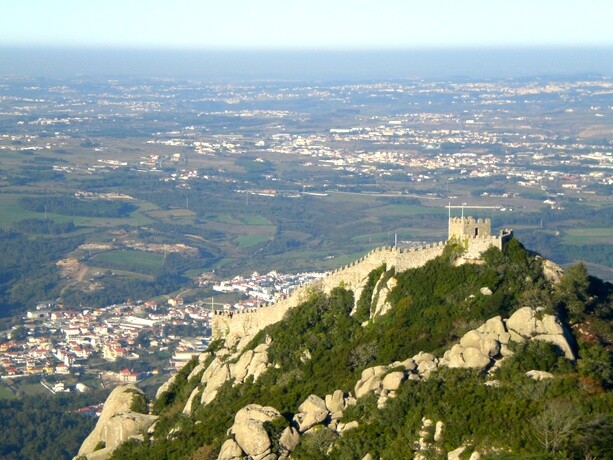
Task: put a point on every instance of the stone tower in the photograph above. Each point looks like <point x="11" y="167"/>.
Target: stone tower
<point x="462" y="228"/>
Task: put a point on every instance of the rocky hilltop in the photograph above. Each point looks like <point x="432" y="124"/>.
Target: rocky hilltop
<point x="504" y="356"/>
<point x="120" y="420"/>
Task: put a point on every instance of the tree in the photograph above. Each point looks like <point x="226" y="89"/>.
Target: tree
<point x="142" y="339"/>
<point x="554" y="426"/>
<point x="20" y="333"/>
<point x="538" y="296"/>
<point x="572" y="291"/>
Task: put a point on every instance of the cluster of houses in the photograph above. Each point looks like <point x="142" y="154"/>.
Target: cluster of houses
<point x="259" y="289"/>
<point x="56" y="340"/>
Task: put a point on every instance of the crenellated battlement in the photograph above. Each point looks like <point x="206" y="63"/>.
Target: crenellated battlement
<point x="468" y="228"/>
<point x="474" y="234"/>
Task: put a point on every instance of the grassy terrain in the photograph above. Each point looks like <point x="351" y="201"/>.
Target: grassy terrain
<point x="256" y="220"/>
<point x="138" y="261"/>
<point x="30" y="388"/>
<point x="128" y="274"/>
<point x="5" y="393"/>
<point x="171" y="215"/>
<point x="580" y="236"/>
<point x="247" y="241"/>
<point x="404" y="234"/>
<point x="225" y="219"/>
<point x="239" y="228"/>
<point x="12" y="212"/>
<point x="402" y="210"/>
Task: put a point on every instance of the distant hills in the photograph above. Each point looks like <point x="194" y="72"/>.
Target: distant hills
<point x="308" y="64"/>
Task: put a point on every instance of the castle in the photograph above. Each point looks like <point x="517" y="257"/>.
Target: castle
<point x="473" y="234"/>
<point x="476" y="235"/>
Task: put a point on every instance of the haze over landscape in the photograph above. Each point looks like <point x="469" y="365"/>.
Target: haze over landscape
<point x="288" y="40"/>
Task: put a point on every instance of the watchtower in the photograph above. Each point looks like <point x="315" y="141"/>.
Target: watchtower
<point x="462" y="228"/>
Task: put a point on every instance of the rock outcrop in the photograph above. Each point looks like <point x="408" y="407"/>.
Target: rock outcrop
<point x="384" y="381"/>
<point x="539" y="375"/>
<point x="249" y="438"/>
<point x="116" y="424"/>
<point x="289" y="440"/>
<point x="165" y="386"/>
<point x="225" y="367"/>
<point x="380" y="293"/>
<point x="213" y="378"/>
<point x="230" y="450"/>
<point x="527" y="323"/>
<point x="311" y="412"/>
<point x="552" y="271"/>
<point x="479" y="348"/>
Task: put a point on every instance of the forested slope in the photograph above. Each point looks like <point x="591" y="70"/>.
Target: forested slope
<point x="331" y="348"/>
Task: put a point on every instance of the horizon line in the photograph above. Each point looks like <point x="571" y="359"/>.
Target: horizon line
<point x="496" y="47"/>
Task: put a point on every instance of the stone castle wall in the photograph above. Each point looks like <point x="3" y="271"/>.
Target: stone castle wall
<point x="477" y="246"/>
<point x="234" y="326"/>
<point x="468" y="227"/>
<point x="242" y="324"/>
<point x="237" y="325"/>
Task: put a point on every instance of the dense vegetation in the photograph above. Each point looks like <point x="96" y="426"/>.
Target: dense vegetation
<point x="28" y="273"/>
<point x="45" y="427"/>
<point x="118" y="290"/>
<point x="432" y="307"/>
<point x="43" y="227"/>
<point x="513" y="417"/>
<point x="73" y="206"/>
<point x="27" y="268"/>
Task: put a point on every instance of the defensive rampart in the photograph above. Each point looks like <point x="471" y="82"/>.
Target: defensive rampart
<point x="476" y="246"/>
<point x="236" y="325"/>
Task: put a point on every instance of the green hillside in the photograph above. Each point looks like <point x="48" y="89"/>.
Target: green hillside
<point x="320" y="347"/>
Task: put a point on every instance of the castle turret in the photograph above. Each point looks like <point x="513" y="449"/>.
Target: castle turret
<point x="462" y="228"/>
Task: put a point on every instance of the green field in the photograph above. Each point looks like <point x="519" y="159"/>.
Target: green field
<point x="11" y="212"/>
<point x="580" y="236"/>
<point x="247" y="219"/>
<point x="172" y="215"/>
<point x="31" y="388"/>
<point x="403" y="210"/>
<point x="225" y="219"/>
<point x="130" y="260"/>
<point x="247" y="241"/>
<point x="5" y="393"/>
<point x="387" y="238"/>
<point x="250" y="219"/>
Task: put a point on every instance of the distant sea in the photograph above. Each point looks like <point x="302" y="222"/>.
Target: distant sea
<point x="309" y="65"/>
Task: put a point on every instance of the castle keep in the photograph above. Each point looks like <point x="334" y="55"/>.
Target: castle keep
<point x="476" y="235"/>
<point x="473" y="234"/>
<point x="467" y="227"/>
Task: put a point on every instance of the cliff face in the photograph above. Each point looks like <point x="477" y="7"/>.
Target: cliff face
<point x="117" y="423"/>
<point x="444" y="359"/>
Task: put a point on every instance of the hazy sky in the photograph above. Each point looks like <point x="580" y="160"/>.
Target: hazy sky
<point x="310" y="24"/>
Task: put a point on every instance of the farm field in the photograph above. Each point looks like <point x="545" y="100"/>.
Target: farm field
<point x="136" y="261"/>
